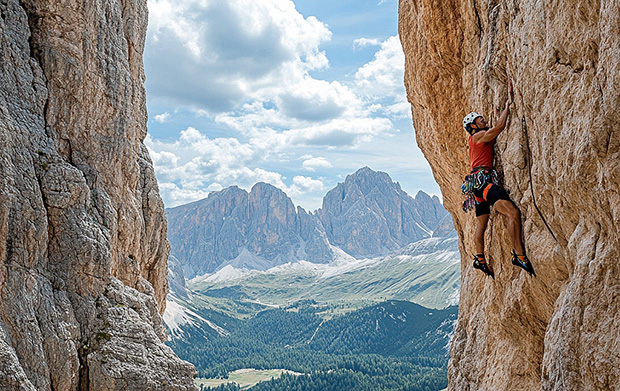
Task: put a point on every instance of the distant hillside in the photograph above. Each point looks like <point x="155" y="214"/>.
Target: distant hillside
<point x="379" y="347"/>
<point x="366" y="216"/>
<point x="426" y="272"/>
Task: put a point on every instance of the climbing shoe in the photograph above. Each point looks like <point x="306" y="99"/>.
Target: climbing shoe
<point x="522" y="262"/>
<point x="481" y="264"/>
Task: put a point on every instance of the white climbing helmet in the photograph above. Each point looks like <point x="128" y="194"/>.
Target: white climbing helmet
<point x="470" y="118"/>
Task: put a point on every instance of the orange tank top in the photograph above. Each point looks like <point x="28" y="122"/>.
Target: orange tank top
<point x="481" y="154"/>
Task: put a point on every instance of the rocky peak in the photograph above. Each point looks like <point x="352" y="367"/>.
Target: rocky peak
<point x="369" y="215"/>
<point x="431" y="210"/>
<point x="255" y="230"/>
<point x="369" y="181"/>
<point x="272" y="232"/>
<point x="271" y="205"/>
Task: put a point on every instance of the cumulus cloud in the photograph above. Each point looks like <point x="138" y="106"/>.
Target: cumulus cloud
<point x="312" y="163"/>
<point x="307" y="183"/>
<point x="193" y="165"/>
<point x="247" y="67"/>
<point x="161" y="118"/>
<point x="364" y="42"/>
<point x="216" y="55"/>
<point x="173" y="195"/>
<point x="381" y="80"/>
<point x="384" y="75"/>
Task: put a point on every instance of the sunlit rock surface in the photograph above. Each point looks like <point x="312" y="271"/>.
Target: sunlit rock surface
<point x="560" y="330"/>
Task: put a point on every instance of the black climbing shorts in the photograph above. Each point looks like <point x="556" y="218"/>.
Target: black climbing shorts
<point x="495" y="193"/>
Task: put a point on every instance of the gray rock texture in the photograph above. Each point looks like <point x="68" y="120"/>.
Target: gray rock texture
<point x="176" y="278"/>
<point x="83" y="246"/>
<point x="256" y="230"/>
<point x="367" y="215"/>
<point x="560" y="330"/>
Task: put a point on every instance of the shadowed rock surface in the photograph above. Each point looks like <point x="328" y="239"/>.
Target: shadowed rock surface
<point x="83" y="249"/>
<point x="176" y="278"/>
<point x="560" y="330"/>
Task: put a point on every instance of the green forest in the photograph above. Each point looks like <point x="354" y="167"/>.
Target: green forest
<point x="395" y="345"/>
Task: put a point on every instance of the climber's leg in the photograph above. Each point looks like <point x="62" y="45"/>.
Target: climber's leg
<point x="481" y="226"/>
<point x="508" y="209"/>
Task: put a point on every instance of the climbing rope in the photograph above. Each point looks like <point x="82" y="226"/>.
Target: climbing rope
<point x="529" y="160"/>
<point x="529" y="168"/>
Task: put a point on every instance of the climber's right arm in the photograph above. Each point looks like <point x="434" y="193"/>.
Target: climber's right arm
<point x="489" y="135"/>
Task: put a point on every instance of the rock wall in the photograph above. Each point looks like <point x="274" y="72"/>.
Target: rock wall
<point x="560" y="330"/>
<point x="83" y="246"/>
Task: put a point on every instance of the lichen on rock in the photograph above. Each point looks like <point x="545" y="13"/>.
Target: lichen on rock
<point x="518" y="332"/>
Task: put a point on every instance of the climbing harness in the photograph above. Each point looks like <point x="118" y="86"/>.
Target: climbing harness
<point x="479" y="179"/>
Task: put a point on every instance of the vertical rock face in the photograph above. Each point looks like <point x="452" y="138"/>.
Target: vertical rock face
<point x="176" y="278"/>
<point x="560" y="330"/>
<point x="83" y="249"/>
<point x="207" y="231"/>
<point x="271" y="232"/>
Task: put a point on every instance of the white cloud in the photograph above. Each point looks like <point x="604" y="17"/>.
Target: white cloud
<point x="312" y="163"/>
<point x="175" y="196"/>
<point x="364" y="42"/>
<point x="308" y="184"/>
<point x="245" y="66"/>
<point x="381" y="80"/>
<point x="215" y="55"/>
<point x="161" y="118"/>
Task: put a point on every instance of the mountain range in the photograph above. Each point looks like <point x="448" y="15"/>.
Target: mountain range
<point x="366" y="216"/>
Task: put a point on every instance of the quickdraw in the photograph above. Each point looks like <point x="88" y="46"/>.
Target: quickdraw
<point x="476" y="180"/>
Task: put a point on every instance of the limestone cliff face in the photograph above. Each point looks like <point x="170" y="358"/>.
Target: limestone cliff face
<point x="560" y="330"/>
<point x="82" y="230"/>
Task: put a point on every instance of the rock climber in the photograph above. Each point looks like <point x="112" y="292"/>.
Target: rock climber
<point x="483" y="190"/>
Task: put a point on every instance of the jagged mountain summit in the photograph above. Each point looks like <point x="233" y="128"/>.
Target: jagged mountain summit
<point x="254" y="230"/>
<point x="368" y="215"/>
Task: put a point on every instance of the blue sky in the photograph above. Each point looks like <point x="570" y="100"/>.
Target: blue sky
<point x="298" y="94"/>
